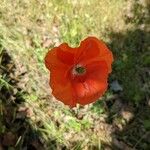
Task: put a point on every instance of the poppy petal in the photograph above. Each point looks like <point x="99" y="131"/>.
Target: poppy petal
<point x="97" y="70"/>
<point x="105" y="53"/>
<point x="60" y="56"/>
<point x="61" y="87"/>
<point x="58" y="78"/>
<point x="89" y="91"/>
<point x="66" y="54"/>
<point x="88" y="49"/>
<point x="52" y="61"/>
<point x="94" y="85"/>
<point x="96" y="90"/>
<point x="93" y="48"/>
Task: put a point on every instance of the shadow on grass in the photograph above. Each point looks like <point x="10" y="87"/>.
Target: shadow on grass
<point x="128" y="111"/>
<point x="16" y="130"/>
<point x="130" y="115"/>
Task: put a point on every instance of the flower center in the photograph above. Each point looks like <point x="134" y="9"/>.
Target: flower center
<point x="79" y="70"/>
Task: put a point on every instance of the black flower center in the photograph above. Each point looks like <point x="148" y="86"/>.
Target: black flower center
<point x="80" y="70"/>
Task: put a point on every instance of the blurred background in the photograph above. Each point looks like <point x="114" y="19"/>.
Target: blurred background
<point x="30" y="117"/>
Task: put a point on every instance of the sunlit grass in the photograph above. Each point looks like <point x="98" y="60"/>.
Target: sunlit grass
<point x="25" y="24"/>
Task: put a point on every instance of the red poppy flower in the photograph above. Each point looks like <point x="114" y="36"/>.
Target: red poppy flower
<point x="79" y="75"/>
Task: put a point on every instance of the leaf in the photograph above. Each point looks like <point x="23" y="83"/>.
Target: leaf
<point x="72" y="123"/>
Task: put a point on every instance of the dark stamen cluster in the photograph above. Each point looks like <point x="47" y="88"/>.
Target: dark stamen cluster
<point x="80" y="70"/>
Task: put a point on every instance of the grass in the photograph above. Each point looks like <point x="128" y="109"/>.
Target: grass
<point x="28" y="29"/>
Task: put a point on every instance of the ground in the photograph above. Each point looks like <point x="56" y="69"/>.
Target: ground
<point x="31" y="118"/>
